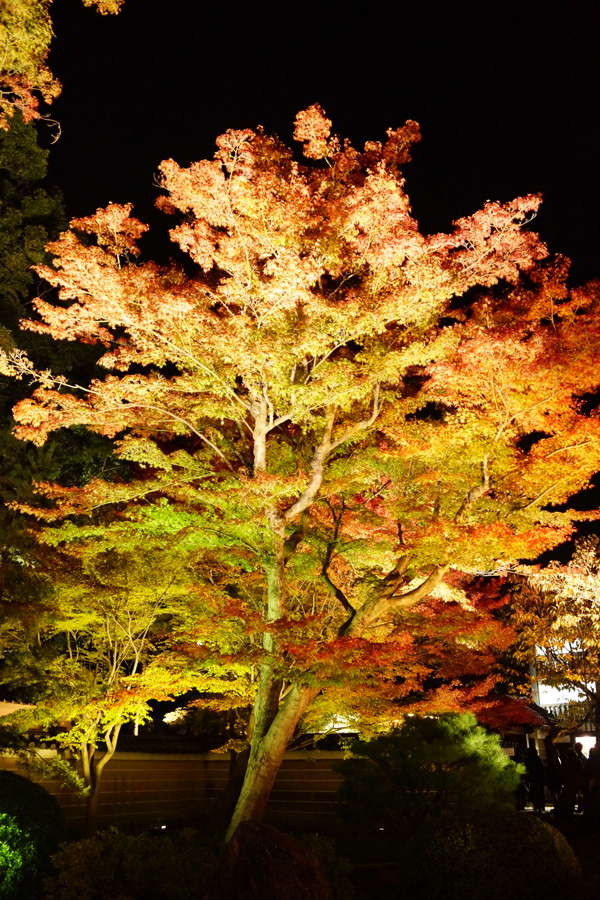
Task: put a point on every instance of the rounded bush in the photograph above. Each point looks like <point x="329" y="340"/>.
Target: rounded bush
<point x="491" y="859"/>
<point x="36" y="811"/>
<point x="117" y="866"/>
<point x="19" y="860"/>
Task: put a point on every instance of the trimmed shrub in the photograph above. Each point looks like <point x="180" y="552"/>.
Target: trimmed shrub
<point x="36" y="811"/>
<point x="492" y="859"/>
<point x="117" y="866"/>
<point x="19" y="860"/>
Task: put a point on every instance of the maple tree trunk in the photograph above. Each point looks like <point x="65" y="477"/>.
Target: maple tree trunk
<point x="92" y="774"/>
<point x="274" y="724"/>
<point x="238" y="763"/>
<point x="267" y="751"/>
<point x="92" y="782"/>
<point x="91" y="809"/>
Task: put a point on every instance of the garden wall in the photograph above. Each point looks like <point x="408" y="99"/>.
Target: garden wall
<point x="153" y="789"/>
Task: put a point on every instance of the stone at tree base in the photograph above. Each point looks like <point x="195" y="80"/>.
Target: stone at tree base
<point x="262" y="863"/>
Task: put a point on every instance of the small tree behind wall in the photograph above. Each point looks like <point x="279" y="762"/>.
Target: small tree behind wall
<point x="322" y="404"/>
<point x="557" y="614"/>
<point x="92" y="655"/>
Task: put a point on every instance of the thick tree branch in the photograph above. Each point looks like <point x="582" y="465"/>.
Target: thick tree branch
<point x="539" y="496"/>
<point x="320" y="457"/>
<point x="385" y="601"/>
<point x="475" y="493"/>
<point x="325" y="577"/>
<point x="266" y="701"/>
<point x="317" y="467"/>
<point x="360" y="426"/>
<point x="571" y="447"/>
<point x="111" y="737"/>
<point x="295" y="539"/>
<point x="339" y="594"/>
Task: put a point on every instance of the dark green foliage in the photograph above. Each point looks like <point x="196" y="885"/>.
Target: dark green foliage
<point x="116" y="866"/>
<point x="19" y="861"/>
<point x="35" y="810"/>
<point x="494" y="858"/>
<point x="426" y="771"/>
<point x="30" y="215"/>
<point x="436" y="798"/>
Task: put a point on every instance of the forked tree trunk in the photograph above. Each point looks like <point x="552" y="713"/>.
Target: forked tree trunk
<point x="92" y="773"/>
<point x="266" y="754"/>
<point x="273" y="726"/>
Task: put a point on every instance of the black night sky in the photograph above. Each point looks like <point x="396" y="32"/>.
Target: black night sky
<point x="506" y="93"/>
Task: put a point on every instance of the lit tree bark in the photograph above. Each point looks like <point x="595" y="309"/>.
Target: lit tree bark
<point x="92" y="774"/>
<point x="274" y="726"/>
<point x="267" y="751"/>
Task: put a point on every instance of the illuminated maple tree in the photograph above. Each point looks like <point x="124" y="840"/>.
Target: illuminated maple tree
<point x="325" y="407"/>
<point x="95" y="652"/>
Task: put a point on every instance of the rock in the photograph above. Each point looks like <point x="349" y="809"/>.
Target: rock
<point x="262" y="863"/>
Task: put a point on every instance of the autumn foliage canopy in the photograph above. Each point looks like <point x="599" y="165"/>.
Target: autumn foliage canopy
<point x="348" y="420"/>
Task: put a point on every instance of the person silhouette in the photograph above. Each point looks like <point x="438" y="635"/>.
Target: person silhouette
<point x="535" y="779"/>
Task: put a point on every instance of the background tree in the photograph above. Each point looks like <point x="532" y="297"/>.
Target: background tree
<point x="25" y="36"/>
<point x="30" y="214"/>
<point x="93" y="663"/>
<point x="557" y="616"/>
<point x="321" y="402"/>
